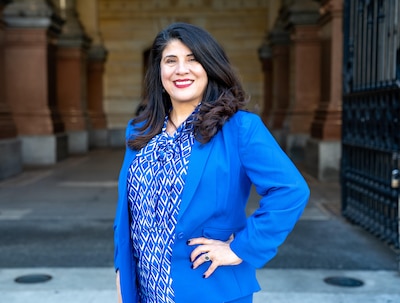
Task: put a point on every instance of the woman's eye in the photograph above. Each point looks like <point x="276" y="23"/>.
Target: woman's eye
<point x="169" y="61"/>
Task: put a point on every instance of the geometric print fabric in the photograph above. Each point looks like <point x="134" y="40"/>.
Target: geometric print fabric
<point x="155" y="184"/>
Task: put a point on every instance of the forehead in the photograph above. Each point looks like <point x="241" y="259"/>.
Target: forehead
<point x="176" y="48"/>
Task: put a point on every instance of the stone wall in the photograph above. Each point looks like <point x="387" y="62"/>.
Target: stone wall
<point x="129" y="27"/>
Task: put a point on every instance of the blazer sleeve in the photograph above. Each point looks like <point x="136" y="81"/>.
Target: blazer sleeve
<point x="284" y="193"/>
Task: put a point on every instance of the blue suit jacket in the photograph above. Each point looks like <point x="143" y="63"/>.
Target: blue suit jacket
<point x="213" y="205"/>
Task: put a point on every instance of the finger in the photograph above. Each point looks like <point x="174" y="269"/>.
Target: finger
<point x="199" y="250"/>
<point x="199" y="241"/>
<point x="210" y="270"/>
<point x="203" y="258"/>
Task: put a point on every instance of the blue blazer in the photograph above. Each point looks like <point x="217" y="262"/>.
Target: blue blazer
<point x="217" y="188"/>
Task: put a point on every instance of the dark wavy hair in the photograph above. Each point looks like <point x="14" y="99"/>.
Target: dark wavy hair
<point x="223" y="96"/>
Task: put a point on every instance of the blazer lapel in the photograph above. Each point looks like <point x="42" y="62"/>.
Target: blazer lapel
<point x="198" y="159"/>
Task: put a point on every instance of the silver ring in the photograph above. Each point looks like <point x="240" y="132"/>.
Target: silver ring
<point x="206" y="257"/>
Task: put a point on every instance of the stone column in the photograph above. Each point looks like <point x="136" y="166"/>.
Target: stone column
<point x="32" y="27"/>
<point x="73" y="44"/>
<point x="97" y="55"/>
<point x="10" y="145"/>
<point x="324" y="146"/>
<point x="7" y="126"/>
<point x="265" y="56"/>
<point x="266" y="63"/>
<point x="304" y="75"/>
<point x="280" y="47"/>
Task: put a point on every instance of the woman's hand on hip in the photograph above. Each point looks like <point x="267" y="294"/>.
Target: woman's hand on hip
<point x="218" y="253"/>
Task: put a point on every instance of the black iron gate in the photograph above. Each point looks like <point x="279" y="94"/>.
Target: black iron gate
<point x="371" y="117"/>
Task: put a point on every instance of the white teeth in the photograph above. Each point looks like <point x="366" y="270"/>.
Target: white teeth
<point x="183" y="82"/>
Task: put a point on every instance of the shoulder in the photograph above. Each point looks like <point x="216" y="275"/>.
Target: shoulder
<point x="249" y="129"/>
<point x="245" y="121"/>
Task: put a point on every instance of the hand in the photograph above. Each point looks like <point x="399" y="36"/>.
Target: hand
<point x="217" y="252"/>
<point x="118" y="287"/>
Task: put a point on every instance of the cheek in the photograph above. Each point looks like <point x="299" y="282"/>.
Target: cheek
<point x="165" y="77"/>
<point x="205" y="81"/>
<point x="203" y="76"/>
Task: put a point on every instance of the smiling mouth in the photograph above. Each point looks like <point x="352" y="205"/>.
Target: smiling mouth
<point x="183" y="83"/>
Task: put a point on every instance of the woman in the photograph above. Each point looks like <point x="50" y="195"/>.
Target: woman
<point x="181" y="232"/>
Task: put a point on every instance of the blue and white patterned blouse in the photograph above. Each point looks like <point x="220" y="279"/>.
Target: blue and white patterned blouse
<point x="156" y="180"/>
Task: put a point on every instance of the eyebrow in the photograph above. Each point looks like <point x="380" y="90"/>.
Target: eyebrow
<point x="174" y="56"/>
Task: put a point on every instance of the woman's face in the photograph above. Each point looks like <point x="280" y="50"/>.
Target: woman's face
<point x="183" y="78"/>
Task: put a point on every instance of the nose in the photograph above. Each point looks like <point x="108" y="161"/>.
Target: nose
<point x="182" y="68"/>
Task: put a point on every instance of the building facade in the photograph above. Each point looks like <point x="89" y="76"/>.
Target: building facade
<point x="71" y="72"/>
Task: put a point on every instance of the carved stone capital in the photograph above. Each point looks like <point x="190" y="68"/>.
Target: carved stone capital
<point x="302" y="12"/>
<point x="331" y="8"/>
<point x="97" y="53"/>
<point x="279" y="34"/>
<point x="32" y="14"/>
<point x="72" y="33"/>
<point x="264" y="51"/>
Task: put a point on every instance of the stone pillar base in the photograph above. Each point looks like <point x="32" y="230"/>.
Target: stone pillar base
<point x="117" y="137"/>
<point x="295" y="146"/>
<point x="78" y="142"/>
<point x="98" y="138"/>
<point x="323" y="159"/>
<point x="11" y="157"/>
<point x="44" y="149"/>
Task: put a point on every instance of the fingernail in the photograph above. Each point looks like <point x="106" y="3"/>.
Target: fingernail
<point x="188" y="242"/>
<point x="204" y="276"/>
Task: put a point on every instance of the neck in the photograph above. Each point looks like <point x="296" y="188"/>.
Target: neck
<point x="180" y="113"/>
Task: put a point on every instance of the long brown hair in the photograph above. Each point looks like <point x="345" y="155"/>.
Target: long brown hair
<point x="222" y="98"/>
